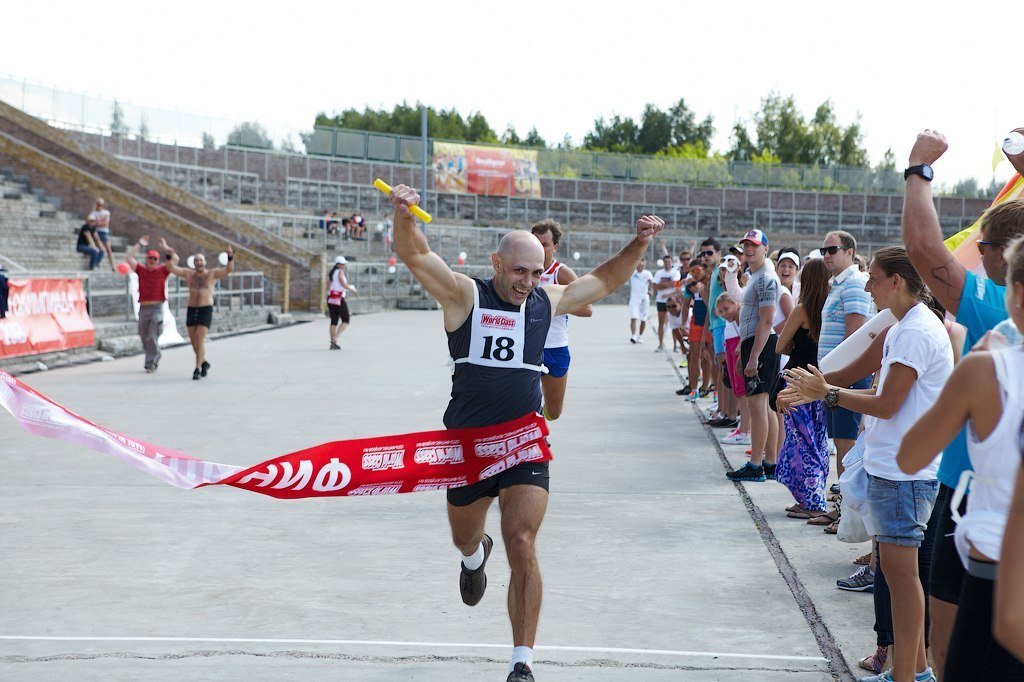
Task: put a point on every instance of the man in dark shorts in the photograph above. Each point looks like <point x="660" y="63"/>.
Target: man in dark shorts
<point x="758" y="358"/>
<point x="199" y="315"/>
<point x="496" y="331"/>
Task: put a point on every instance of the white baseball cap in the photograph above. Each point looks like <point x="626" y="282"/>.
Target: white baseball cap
<point x="340" y="260"/>
<point x="790" y="255"/>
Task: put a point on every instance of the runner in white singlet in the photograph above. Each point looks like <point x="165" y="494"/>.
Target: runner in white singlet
<point x="556" y="347"/>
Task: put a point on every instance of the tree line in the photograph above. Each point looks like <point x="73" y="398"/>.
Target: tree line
<point x="777" y="132"/>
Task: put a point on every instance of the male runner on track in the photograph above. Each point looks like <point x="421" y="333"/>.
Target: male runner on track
<point x="556" y="346"/>
<point x="199" y="314"/>
<point x="496" y="330"/>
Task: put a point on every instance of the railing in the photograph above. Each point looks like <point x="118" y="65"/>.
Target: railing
<point x="201" y="174"/>
<point x="304" y="230"/>
<point x="795" y="222"/>
<point x="510" y="209"/>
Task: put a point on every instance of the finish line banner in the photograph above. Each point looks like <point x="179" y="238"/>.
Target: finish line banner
<point x="405" y="463"/>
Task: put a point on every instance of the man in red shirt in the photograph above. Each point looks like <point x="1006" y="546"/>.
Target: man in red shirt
<point x="152" y="294"/>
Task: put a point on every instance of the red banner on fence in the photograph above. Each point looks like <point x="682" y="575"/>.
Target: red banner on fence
<point x="491" y="171"/>
<point x="45" y="315"/>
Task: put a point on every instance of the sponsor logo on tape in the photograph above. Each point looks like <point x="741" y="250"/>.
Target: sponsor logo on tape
<point x="499" y="446"/>
<point x="383" y="458"/>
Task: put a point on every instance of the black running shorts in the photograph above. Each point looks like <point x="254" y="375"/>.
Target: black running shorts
<point x="527" y="473"/>
<point x="338" y="312"/>
<point x="199" y="316"/>
<point x="767" y="365"/>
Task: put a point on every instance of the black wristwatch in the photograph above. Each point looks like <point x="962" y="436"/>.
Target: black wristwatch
<point x="922" y="169"/>
<point x="832" y="398"/>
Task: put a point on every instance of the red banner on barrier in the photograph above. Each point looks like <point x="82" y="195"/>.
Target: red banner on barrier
<point x="45" y="315"/>
<point x="405" y="463"/>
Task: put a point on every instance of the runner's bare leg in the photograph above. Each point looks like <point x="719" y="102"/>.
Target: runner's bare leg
<point x="554" y="394"/>
<point x="467" y="524"/>
<point x="522" y="510"/>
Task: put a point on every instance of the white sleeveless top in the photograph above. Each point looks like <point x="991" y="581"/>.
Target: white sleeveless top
<point x="995" y="459"/>
<point x="558" y="332"/>
<point x="337" y="290"/>
<point x="497" y="338"/>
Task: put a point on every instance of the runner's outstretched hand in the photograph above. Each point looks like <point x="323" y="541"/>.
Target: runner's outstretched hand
<point x="402" y="197"/>
<point x="648" y="226"/>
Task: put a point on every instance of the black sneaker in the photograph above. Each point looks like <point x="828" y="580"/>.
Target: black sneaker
<point x="861" y="581"/>
<point x="769" y="471"/>
<point x="196" y="375"/>
<point x="834" y="489"/>
<point x="747" y="472"/>
<point x="473" y="583"/>
<point x="204" y="368"/>
<point x="520" y="673"/>
<point x="724" y="423"/>
<point x="685" y="390"/>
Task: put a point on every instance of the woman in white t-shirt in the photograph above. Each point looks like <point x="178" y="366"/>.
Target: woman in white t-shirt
<point x="986" y="394"/>
<point x="917" y="359"/>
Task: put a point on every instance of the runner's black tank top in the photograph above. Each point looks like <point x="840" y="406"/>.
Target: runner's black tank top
<point x="482" y="396"/>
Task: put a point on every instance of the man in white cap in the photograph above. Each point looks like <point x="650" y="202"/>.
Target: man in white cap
<point x="337" y="292"/>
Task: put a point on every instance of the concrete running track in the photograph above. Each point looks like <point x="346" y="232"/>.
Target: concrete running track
<point x="655" y="566"/>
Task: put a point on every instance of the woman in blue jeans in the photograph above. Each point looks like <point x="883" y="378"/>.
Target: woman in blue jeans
<point x="917" y="359"/>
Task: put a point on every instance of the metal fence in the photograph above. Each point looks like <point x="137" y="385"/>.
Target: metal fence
<point x="202" y="181"/>
<point x="238" y="290"/>
<point x="308" y="232"/>
<point x="85" y="112"/>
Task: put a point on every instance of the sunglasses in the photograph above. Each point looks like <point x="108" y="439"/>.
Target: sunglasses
<point x="830" y="250"/>
<point x="152" y="258"/>
<point x="707" y="253"/>
<point x="983" y="246"/>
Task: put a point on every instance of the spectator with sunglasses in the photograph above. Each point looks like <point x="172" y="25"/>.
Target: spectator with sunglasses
<point x="847" y="308"/>
<point x="979" y="304"/>
<point x="152" y="294"/>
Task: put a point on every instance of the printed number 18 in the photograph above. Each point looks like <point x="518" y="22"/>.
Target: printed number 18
<point x="498" y="350"/>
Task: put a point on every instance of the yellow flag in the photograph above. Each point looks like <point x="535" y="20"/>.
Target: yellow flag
<point x="997" y="157"/>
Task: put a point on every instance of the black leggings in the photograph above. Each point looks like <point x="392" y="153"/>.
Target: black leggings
<point x="974" y="653"/>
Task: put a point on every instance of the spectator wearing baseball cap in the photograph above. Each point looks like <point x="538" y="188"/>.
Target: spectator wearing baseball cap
<point x="758" y="357"/>
<point x="337" y="291"/>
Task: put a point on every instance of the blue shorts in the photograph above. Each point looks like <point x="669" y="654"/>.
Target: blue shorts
<point x="844" y="423"/>
<point x="104" y="235"/>
<point x="557" y="361"/>
<point x="718" y="338"/>
<point x="900" y="509"/>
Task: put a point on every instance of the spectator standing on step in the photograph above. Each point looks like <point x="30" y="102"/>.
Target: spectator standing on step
<point x="102" y="217"/>
<point x="87" y="243"/>
<point x="152" y="294"/>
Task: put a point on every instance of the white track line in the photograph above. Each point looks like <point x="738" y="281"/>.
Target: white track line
<point x="450" y="645"/>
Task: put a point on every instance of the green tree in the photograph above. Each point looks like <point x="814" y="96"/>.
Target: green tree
<point x="208" y="141"/>
<point x="533" y="139"/>
<point x="117" y="125"/>
<point x="250" y="134"/>
<point x="686" y="130"/>
<point x="617" y="135"/>
<point x="404" y="119"/>
<point x="655" y="132"/>
<point x="510" y="136"/>
<point x="782" y="132"/>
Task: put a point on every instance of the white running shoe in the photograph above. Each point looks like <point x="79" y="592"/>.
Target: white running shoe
<point x="737" y="437"/>
<point x="639" y="339"/>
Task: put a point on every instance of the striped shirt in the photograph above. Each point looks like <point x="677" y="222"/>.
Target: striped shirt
<point x="847" y="297"/>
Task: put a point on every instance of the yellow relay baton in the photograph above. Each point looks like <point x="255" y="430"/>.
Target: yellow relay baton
<point x="416" y="210"/>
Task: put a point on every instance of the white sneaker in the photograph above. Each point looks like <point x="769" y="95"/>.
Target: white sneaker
<point x="639" y="339"/>
<point x="659" y="349"/>
<point x="632" y="339"/>
<point x="737" y="437"/>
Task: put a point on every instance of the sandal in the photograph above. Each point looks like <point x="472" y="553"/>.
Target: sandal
<point x="876" y="662"/>
<point x="795" y="507"/>
<point x="832" y="528"/>
<point x="863" y="561"/>
<point x="824" y="519"/>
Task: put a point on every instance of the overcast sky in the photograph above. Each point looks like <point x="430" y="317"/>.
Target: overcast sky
<point x="556" y="65"/>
